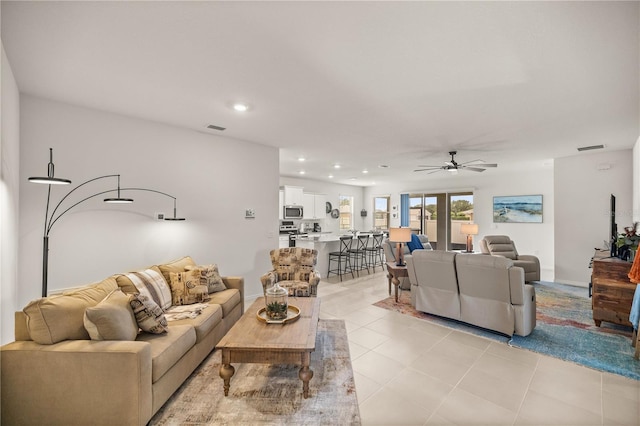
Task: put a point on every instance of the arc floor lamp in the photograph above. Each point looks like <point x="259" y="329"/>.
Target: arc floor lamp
<point x="51" y="219"/>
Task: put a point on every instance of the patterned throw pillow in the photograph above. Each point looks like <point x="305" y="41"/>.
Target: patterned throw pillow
<point x="153" y="285"/>
<point x="149" y="316"/>
<point x="111" y="319"/>
<point x="186" y="288"/>
<point x="209" y="276"/>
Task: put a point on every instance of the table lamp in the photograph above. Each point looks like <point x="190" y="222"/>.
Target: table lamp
<point x="399" y="236"/>
<point x="470" y="229"/>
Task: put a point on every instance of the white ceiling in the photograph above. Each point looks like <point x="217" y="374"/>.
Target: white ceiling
<point x="356" y="83"/>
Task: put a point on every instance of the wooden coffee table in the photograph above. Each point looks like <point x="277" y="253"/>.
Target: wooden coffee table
<point x="252" y="340"/>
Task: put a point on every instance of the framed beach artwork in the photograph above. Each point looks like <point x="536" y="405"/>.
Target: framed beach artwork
<point x="517" y="209"/>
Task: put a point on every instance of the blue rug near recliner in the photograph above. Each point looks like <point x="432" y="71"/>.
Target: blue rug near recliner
<point x="564" y="329"/>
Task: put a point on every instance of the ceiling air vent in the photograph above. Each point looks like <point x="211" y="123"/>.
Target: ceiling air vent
<point x="211" y="126"/>
<point x="589" y="148"/>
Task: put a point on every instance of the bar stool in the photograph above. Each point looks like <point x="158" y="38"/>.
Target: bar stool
<point x="343" y="257"/>
<point x="374" y="251"/>
<point x="360" y="254"/>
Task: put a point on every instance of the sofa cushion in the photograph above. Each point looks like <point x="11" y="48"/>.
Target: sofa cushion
<point x="127" y="286"/>
<point x="61" y="317"/>
<point x="111" y="319"/>
<point x="186" y="288"/>
<point x="228" y="299"/>
<point x="209" y="276"/>
<point x="208" y="319"/>
<point x="149" y="316"/>
<point x="168" y="348"/>
<point x="177" y="265"/>
<point x="153" y="285"/>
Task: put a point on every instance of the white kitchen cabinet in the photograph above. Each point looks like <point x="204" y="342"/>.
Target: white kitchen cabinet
<point x="314" y="206"/>
<point x="293" y="196"/>
<point x="320" y="206"/>
<point x="280" y="204"/>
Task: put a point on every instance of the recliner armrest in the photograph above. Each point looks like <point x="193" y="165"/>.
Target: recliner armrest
<point x="529" y="258"/>
<point x="516" y="285"/>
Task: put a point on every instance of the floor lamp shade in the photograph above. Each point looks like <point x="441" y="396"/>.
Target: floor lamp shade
<point x="399" y="236"/>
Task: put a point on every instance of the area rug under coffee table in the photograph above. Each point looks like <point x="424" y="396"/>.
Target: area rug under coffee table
<point x="271" y="394"/>
<point x="564" y="329"/>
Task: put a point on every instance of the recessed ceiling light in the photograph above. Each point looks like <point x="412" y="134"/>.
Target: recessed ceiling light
<point x="336" y="166"/>
<point x="330" y="176"/>
<point x="301" y="172"/>
<point x="301" y="159"/>
<point x="365" y="171"/>
<point x="240" y="107"/>
<point x="353" y="178"/>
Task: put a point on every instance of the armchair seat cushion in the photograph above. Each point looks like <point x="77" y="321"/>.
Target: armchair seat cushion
<point x="296" y="288"/>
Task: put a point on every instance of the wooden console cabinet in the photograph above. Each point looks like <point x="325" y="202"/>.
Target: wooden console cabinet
<point x="612" y="291"/>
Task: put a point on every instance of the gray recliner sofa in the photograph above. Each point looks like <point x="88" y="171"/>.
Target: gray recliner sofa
<point x="487" y="291"/>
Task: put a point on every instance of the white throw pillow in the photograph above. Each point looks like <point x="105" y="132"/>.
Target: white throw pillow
<point x="153" y="285"/>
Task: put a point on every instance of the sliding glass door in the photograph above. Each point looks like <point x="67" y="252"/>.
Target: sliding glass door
<point x="439" y="216"/>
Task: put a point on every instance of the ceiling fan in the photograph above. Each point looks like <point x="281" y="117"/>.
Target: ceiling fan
<point x="453" y="166"/>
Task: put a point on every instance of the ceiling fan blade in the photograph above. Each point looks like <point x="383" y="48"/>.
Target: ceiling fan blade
<point x="434" y="167"/>
<point x="479" y="163"/>
<point x="473" y="169"/>
<point x="427" y="169"/>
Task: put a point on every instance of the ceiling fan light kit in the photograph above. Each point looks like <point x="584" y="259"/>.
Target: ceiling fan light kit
<point x="453" y="166"/>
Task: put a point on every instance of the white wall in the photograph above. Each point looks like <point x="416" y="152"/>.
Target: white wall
<point x="583" y="185"/>
<point x="333" y="193"/>
<point x="214" y="179"/>
<point x="9" y="196"/>
<point x="530" y="238"/>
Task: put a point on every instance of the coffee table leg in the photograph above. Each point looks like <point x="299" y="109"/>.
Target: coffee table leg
<point x="226" y="371"/>
<point x="305" y="374"/>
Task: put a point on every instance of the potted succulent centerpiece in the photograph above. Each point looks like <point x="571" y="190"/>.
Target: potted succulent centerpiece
<point x="276" y="302"/>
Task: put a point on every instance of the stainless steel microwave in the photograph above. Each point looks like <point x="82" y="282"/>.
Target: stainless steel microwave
<point x="292" y="212"/>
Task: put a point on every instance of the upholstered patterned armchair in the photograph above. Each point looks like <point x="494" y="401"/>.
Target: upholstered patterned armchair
<point x="293" y="268"/>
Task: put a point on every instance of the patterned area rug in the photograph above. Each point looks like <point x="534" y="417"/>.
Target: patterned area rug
<point x="564" y="329"/>
<point x="271" y="394"/>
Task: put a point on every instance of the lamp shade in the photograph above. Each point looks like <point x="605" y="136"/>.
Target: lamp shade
<point x="469" y="229"/>
<point x="400" y="235"/>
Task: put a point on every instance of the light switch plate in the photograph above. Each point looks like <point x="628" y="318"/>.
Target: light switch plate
<point x="159" y="216"/>
<point x="249" y="213"/>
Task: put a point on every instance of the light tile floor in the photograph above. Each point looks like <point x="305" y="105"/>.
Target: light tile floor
<point x="411" y="372"/>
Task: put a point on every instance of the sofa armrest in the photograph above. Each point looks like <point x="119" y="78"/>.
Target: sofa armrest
<point x="238" y="284"/>
<point x="76" y="382"/>
<point x="516" y="285"/>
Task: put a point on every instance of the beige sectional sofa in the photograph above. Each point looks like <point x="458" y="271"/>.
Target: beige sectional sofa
<point x="487" y="291"/>
<point x="55" y="374"/>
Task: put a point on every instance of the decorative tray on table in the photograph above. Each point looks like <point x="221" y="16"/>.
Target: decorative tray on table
<point x="293" y="313"/>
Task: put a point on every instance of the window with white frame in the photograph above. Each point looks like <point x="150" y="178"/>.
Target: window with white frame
<point x="381" y="212"/>
<point x="346" y="212"/>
